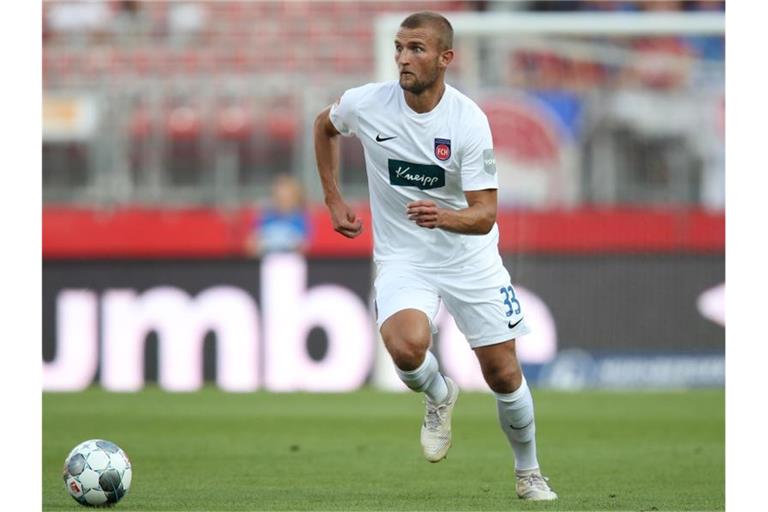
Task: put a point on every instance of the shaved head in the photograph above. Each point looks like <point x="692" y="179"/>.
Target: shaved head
<point x="437" y="22"/>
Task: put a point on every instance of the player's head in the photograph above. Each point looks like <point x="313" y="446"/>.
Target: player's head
<point x="423" y="50"/>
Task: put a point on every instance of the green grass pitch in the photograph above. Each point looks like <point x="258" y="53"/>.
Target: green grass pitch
<point x="215" y="451"/>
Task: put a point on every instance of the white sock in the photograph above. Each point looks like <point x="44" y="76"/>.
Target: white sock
<point x="517" y="422"/>
<point x="426" y="378"/>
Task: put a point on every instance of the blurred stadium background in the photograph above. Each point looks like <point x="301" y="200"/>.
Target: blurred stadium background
<point x="166" y="125"/>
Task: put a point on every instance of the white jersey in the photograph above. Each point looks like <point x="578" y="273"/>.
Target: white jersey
<point x="436" y="155"/>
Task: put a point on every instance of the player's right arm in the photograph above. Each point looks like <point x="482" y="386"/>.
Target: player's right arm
<point x="326" y="137"/>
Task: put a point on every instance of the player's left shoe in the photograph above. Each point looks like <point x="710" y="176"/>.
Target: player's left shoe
<point x="436" y="429"/>
<point x="531" y="485"/>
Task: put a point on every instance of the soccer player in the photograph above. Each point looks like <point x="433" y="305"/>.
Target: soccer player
<point x="432" y="183"/>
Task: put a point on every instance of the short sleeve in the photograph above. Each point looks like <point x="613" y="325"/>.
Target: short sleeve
<point x="478" y="163"/>
<point x="344" y="112"/>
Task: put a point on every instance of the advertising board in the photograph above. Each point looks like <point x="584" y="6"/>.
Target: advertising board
<point x="288" y="323"/>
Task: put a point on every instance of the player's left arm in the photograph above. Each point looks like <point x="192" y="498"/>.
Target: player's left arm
<point x="476" y="219"/>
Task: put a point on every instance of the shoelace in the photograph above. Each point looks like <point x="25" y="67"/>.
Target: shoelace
<point x="435" y="415"/>
<point x="536" y="481"/>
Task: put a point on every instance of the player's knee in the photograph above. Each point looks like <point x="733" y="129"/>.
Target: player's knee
<point x="502" y="379"/>
<point x="407" y="344"/>
<point x="407" y="354"/>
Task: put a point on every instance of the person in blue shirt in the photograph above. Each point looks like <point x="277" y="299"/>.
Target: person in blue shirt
<point x="283" y="226"/>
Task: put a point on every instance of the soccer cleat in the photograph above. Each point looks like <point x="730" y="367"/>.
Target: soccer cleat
<point x="436" y="429"/>
<point x="532" y="486"/>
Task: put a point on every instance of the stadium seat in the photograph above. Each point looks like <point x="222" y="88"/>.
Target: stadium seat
<point x="234" y="122"/>
<point x="184" y="152"/>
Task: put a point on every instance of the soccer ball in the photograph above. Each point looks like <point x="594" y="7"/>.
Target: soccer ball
<point x="97" y="472"/>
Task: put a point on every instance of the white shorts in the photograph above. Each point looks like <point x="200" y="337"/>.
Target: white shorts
<point x="481" y="301"/>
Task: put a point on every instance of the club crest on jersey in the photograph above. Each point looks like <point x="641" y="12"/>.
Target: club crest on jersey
<point x="443" y="149"/>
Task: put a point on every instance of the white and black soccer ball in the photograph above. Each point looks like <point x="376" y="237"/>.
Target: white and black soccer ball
<point x="97" y="473"/>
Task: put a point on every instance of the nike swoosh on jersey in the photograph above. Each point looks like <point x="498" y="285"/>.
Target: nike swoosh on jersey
<point x="379" y="138"/>
<point x="513" y="325"/>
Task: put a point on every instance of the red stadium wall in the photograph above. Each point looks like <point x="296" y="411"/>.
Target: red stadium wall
<point x="138" y="232"/>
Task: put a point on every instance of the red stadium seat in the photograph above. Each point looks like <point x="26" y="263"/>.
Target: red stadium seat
<point x="185" y="161"/>
<point x="234" y="122"/>
<point x="183" y="122"/>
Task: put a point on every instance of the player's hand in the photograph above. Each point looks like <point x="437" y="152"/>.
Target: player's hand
<point x="424" y="212"/>
<point x="344" y="219"/>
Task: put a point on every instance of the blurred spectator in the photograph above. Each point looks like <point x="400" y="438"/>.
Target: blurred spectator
<point x="553" y="5"/>
<point x="708" y="47"/>
<point x="602" y="5"/>
<point x="186" y="21"/>
<point x="581" y="5"/>
<point x="79" y="21"/>
<point x="284" y="225"/>
<point x="707" y="5"/>
<point x="130" y="21"/>
<point x="502" y="5"/>
<point x="660" y="62"/>
<point x="657" y="62"/>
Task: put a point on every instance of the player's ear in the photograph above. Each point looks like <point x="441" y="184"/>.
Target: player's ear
<point x="446" y="57"/>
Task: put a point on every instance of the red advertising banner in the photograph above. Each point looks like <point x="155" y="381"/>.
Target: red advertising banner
<point x="143" y="232"/>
